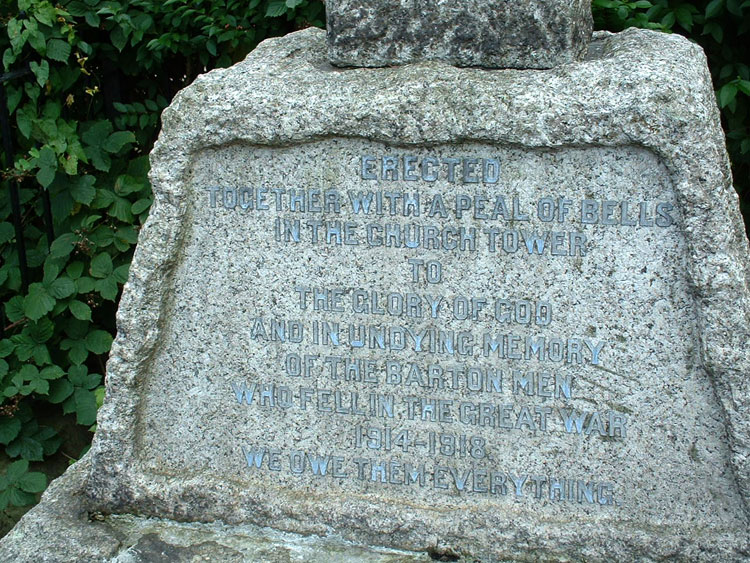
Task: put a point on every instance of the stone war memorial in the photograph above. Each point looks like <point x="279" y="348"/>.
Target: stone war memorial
<point x="451" y="280"/>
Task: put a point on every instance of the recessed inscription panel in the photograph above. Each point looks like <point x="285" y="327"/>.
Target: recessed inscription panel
<point x="463" y="326"/>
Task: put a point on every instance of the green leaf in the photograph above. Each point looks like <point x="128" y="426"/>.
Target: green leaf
<point x="668" y="20"/>
<point x="118" y="37"/>
<point x="127" y="234"/>
<point x="85" y="284"/>
<point x="38" y="302"/>
<point x="276" y="8"/>
<point x="714" y="8"/>
<point x="45" y="176"/>
<point x="62" y="287"/>
<point x="107" y="288"/>
<point x="28" y="372"/>
<point x="63" y="245"/>
<point x="77" y="351"/>
<point x="45" y="13"/>
<point x="24" y="118"/>
<point x="52" y="267"/>
<point x="100" y="392"/>
<point x="21" y="498"/>
<point x="715" y="30"/>
<point x="85" y="402"/>
<point x="92" y="19"/>
<point x="98" y="158"/>
<point x="684" y="16"/>
<point x="41" y="355"/>
<point x="99" y="341"/>
<point x="727" y="94"/>
<point x="91" y="220"/>
<point x="743" y="86"/>
<point x="121" y="273"/>
<point x="6" y="348"/>
<point x="59" y="390"/>
<point x="9" y="57"/>
<point x="70" y="163"/>
<point x="7" y="232"/>
<point x="49" y="439"/>
<point x="24" y="346"/>
<point x="101" y="265"/>
<point x="14" y="98"/>
<point x="121" y="209"/>
<point x="41" y="72"/>
<point x="50" y="373"/>
<point x="26" y="447"/>
<point x="40" y="331"/>
<point x="80" y="310"/>
<point x="141" y="205"/>
<point x="75" y="269"/>
<point x="16" y="470"/>
<point x="102" y="236"/>
<point x="14" y="309"/>
<point x="77" y="9"/>
<point x="77" y="329"/>
<point x="127" y="184"/>
<point x="82" y="189"/>
<point x="117" y="140"/>
<point x="58" y="50"/>
<point x="47" y="162"/>
<point x="9" y="429"/>
<point x="33" y="482"/>
<point x="78" y="375"/>
<point x="96" y="132"/>
<point x="735" y="7"/>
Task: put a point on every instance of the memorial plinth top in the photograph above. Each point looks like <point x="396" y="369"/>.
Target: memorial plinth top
<point x="485" y="33"/>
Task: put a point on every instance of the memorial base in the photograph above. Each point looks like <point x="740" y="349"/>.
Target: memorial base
<point x="62" y="528"/>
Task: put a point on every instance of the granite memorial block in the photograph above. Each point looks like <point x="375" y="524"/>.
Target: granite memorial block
<point x="494" y="314"/>
<point x="482" y="33"/>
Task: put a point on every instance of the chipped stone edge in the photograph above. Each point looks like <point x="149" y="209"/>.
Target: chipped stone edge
<point x="652" y="90"/>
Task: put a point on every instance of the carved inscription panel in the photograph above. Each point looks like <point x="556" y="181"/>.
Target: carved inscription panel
<point x="443" y="326"/>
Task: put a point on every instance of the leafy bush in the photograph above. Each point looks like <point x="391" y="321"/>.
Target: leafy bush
<point x="84" y="119"/>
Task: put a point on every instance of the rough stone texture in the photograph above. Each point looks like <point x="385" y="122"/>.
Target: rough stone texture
<point x="484" y="33"/>
<point x="635" y="122"/>
<point x="61" y="529"/>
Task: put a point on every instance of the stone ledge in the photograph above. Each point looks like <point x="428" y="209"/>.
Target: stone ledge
<point x="61" y="529"/>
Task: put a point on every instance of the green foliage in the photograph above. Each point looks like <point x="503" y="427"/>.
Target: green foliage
<point x="721" y="28"/>
<point x="83" y="121"/>
<point x="19" y="486"/>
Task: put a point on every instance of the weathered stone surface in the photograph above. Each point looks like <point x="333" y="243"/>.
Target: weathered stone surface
<point x="657" y="286"/>
<point x="61" y="529"/>
<point x="485" y="33"/>
<point x="635" y="123"/>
